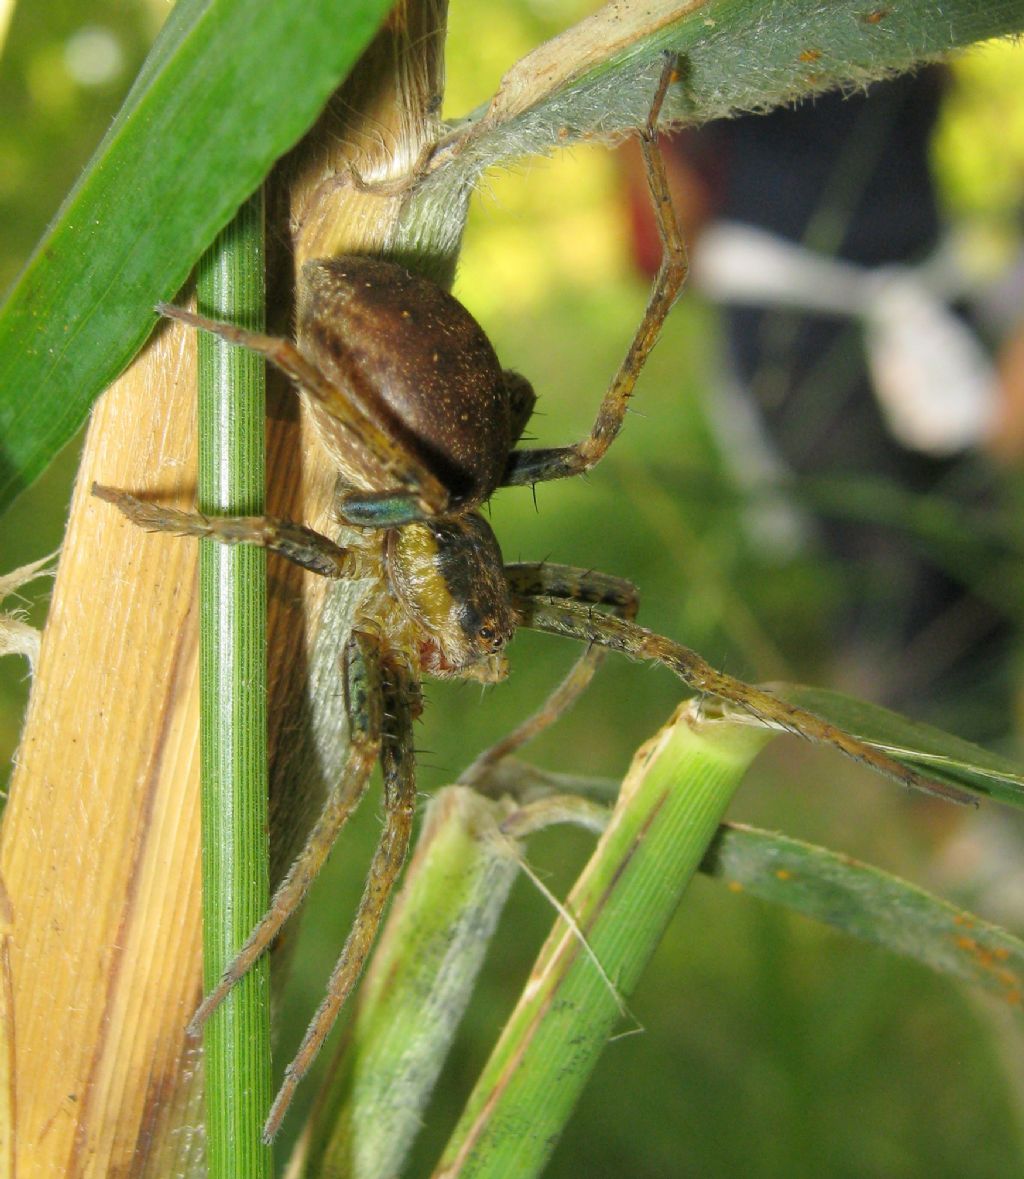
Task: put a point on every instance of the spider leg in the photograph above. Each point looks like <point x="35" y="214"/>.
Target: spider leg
<point x="568" y="583"/>
<point x="401" y="706"/>
<point x="418" y="492"/>
<point x="299" y="544"/>
<point x="361" y="678"/>
<point x="580" y="622"/>
<point x="535" y="466"/>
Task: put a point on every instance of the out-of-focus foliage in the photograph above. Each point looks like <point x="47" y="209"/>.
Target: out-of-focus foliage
<point x="979" y="143"/>
<point x="65" y="68"/>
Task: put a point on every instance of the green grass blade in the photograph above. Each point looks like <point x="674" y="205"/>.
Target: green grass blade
<point x="869" y="904"/>
<point x="937" y="755"/>
<point x="233" y="701"/>
<point x="670" y="806"/>
<point x="227" y="89"/>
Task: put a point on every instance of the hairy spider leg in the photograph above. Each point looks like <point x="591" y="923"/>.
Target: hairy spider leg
<point x="538" y="465"/>
<point x="361" y="678"/>
<point x="402" y="704"/>
<point x="565" y="582"/>
<point x="419" y="493"/>
<point x="579" y="621"/>
<point x="299" y="544"/>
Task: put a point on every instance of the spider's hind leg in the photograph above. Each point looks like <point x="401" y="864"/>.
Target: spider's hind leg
<point x="402" y="705"/>
<point x="535" y="466"/>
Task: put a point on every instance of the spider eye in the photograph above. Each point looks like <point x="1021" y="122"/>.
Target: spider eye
<point x="491" y="637"/>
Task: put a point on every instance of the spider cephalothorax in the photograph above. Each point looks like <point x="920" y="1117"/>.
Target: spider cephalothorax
<point x="423" y="424"/>
<point x="449" y="576"/>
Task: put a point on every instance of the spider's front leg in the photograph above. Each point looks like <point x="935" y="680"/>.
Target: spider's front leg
<point x="579" y="621"/>
<point x="295" y="542"/>
<point x="351" y="419"/>
<point x="361" y="677"/>
<point x="402" y="704"/>
<point x="566" y="583"/>
<point x="569" y="584"/>
<point x="538" y="465"/>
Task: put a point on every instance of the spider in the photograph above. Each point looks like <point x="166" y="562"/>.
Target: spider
<point x="423" y="424"/>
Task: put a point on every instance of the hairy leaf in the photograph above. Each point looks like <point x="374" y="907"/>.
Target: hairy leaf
<point x="869" y="904"/>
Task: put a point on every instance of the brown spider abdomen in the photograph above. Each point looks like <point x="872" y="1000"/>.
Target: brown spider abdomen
<point x="421" y="360"/>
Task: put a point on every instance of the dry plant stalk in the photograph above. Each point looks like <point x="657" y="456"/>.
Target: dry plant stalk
<point x="100" y="961"/>
<point x="98" y="853"/>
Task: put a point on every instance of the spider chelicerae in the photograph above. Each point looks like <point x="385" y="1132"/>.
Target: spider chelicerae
<point x="423" y="425"/>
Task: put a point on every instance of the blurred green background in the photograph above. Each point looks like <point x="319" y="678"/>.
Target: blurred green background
<point x="769" y="1046"/>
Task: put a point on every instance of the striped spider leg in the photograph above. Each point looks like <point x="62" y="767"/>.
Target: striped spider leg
<point x="547" y="607"/>
<point x="399" y="703"/>
<point x="540" y="464"/>
<point x="564" y="582"/>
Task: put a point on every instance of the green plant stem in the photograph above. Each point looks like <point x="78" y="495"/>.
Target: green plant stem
<point x="671" y="804"/>
<point x="234" y="701"/>
<point x="416" y="990"/>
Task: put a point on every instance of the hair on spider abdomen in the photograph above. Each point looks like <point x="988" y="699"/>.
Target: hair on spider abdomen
<point x="413" y="352"/>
